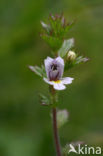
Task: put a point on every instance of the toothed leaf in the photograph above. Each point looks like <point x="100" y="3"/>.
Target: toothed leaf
<point x="66" y="46"/>
<point x="46" y="27"/>
<point x="40" y="71"/>
<point x="44" y="100"/>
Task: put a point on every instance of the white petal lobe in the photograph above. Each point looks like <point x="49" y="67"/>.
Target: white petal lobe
<point x="59" y="86"/>
<point x="67" y="80"/>
<point x="47" y="81"/>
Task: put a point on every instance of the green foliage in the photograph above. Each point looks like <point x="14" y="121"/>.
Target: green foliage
<point x="55" y="31"/>
<point x="71" y="63"/>
<point x="66" y="46"/>
<point x="46" y="27"/>
<point x="81" y="59"/>
<point x="53" y="42"/>
<point x="58" y="26"/>
<point x="40" y="71"/>
<point x="44" y="100"/>
<point x="49" y="100"/>
<point x="54" y="35"/>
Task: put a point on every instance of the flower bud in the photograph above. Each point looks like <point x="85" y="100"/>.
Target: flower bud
<point x="71" y="55"/>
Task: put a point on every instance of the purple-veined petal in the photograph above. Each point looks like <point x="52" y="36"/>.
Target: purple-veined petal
<point x="54" y="68"/>
<point x="60" y="60"/>
<point x="47" y="63"/>
<point x="60" y="63"/>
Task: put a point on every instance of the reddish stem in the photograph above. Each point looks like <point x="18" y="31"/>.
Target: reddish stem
<point x="55" y="129"/>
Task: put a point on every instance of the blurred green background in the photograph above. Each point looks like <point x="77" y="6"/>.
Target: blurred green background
<point x="25" y="126"/>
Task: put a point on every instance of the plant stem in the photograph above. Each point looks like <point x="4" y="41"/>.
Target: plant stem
<point x="54" y="118"/>
<point x="55" y="130"/>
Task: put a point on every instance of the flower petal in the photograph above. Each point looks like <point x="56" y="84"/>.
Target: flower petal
<point x="47" y="81"/>
<point x="59" y="86"/>
<point x="47" y="63"/>
<point x="60" y="60"/>
<point x="67" y="80"/>
<point x="54" y="74"/>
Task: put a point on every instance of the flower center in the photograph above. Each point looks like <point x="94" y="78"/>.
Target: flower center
<point x="54" y="72"/>
<point x="54" y="67"/>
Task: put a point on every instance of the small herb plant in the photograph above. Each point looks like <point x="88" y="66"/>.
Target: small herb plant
<point x="63" y="58"/>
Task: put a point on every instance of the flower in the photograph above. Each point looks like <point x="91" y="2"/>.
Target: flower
<point x="71" y="55"/>
<point x="54" y="70"/>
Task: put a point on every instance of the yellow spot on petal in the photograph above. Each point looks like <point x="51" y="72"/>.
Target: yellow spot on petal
<point x="58" y="81"/>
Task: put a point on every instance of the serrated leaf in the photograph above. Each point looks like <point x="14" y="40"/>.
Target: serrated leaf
<point x="55" y="24"/>
<point x="46" y="26"/>
<point x="81" y="59"/>
<point x="78" y="60"/>
<point x="44" y="100"/>
<point x="59" y="25"/>
<point x="66" y="46"/>
<point x="53" y="42"/>
<point x="62" y="117"/>
<point x="68" y="27"/>
<point x="43" y="71"/>
<point x="40" y="71"/>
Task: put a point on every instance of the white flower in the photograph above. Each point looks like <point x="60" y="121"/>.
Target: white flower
<point x="54" y="69"/>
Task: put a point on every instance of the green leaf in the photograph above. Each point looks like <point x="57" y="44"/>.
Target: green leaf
<point x="68" y="27"/>
<point x="81" y="59"/>
<point x="66" y="46"/>
<point x="53" y="42"/>
<point x="44" y="100"/>
<point x="59" y="26"/>
<point x="56" y="31"/>
<point x="46" y="27"/>
<point x="56" y="25"/>
<point x="43" y="71"/>
<point x="37" y="70"/>
<point x="62" y="117"/>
